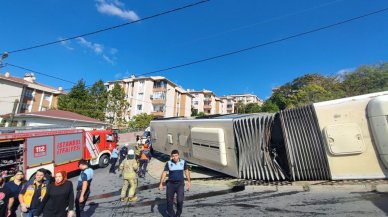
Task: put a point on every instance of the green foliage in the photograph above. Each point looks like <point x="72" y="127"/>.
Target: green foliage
<point x="313" y="88"/>
<point x="201" y="114"/>
<point x="252" y="108"/>
<point x="269" y="106"/>
<point x="366" y="79"/>
<point x="194" y="112"/>
<point x="239" y="107"/>
<point x="117" y="106"/>
<point x="140" y="121"/>
<point x="89" y="102"/>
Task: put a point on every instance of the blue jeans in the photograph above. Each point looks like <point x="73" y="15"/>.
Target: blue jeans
<point x="30" y="213"/>
<point x="143" y="167"/>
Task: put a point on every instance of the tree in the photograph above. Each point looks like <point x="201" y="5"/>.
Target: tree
<point x="201" y="114"/>
<point x="366" y="79"/>
<point x="99" y="98"/>
<point x="269" y="106"/>
<point x="239" y="107"/>
<point x="90" y="102"/>
<point x="140" y="121"/>
<point x="77" y="100"/>
<point x="252" y="108"/>
<point x="116" y="106"/>
<point x="194" y="112"/>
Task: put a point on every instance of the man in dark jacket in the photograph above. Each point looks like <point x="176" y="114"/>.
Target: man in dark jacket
<point x="123" y="153"/>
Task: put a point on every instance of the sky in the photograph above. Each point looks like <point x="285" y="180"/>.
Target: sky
<point x="206" y="30"/>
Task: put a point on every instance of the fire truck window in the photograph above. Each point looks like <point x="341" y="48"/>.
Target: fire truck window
<point x="96" y="139"/>
<point x="109" y="138"/>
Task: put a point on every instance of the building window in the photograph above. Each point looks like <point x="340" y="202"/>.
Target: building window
<point x="195" y="102"/>
<point x="140" y="95"/>
<point x="159" y="108"/>
<point x="47" y="96"/>
<point x="160" y="84"/>
<point x="25" y="106"/>
<point x="159" y="95"/>
<point x="139" y="107"/>
<point x="28" y="93"/>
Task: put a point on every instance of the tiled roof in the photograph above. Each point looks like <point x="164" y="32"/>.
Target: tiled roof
<point x="24" y="82"/>
<point x="59" y="114"/>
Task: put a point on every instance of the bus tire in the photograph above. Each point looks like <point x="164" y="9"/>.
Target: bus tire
<point x="104" y="161"/>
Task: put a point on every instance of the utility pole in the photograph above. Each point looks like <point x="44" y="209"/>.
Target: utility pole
<point x="15" y="105"/>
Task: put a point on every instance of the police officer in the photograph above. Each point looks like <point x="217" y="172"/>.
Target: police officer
<point x="175" y="183"/>
<point x="128" y="170"/>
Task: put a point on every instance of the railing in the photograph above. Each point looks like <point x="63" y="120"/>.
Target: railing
<point x="159" y="88"/>
<point x="158" y="101"/>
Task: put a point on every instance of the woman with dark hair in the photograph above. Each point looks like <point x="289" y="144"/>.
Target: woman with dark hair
<point x="15" y="185"/>
<point x="59" y="199"/>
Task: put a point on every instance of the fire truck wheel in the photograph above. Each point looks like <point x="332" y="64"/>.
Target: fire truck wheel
<point x="104" y="161"/>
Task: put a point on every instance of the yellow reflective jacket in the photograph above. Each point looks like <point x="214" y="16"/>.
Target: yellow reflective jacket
<point x="128" y="168"/>
<point x="29" y="194"/>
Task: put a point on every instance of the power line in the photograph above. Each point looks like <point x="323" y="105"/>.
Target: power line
<point x="58" y="78"/>
<point x="241" y="50"/>
<point x="110" y="28"/>
<point x="267" y="43"/>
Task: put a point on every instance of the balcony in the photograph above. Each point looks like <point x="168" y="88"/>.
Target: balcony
<point x="158" y="113"/>
<point x="207" y="106"/>
<point x="208" y="99"/>
<point x="158" y="101"/>
<point x="160" y="89"/>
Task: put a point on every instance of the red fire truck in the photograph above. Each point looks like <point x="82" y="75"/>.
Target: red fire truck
<point x="54" y="150"/>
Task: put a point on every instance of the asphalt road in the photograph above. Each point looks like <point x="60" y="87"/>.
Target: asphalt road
<point x="213" y="198"/>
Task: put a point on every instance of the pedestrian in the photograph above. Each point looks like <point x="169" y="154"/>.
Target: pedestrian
<point x="123" y="153"/>
<point x="113" y="159"/>
<point x="83" y="187"/>
<point x="145" y="157"/>
<point x="16" y="187"/>
<point x="149" y="142"/>
<point x="31" y="195"/>
<point x="138" y="147"/>
<point x="128" y="170"/>
<point x="6" y="199"/>
<point x="176" y="182"/>
<point x="137" y="138"/>
<point x="59" y="199"/>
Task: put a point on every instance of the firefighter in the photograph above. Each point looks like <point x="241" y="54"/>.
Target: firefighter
<point x="128" y="170"/>
<point x="145" y="157"/>
<point x="138" y="147"/>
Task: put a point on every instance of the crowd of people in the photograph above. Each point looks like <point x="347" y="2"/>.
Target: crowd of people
<point x="45" y="196"/>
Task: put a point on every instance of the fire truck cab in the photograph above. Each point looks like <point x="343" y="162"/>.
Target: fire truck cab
<point x="53" y="149"/>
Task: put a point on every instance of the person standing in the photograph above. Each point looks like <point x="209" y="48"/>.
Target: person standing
<point x="83" y="187"/>
<point x="176" y="182"/>
<point x="128" y="170"/>
<point x="32" y="193"/>
<point x="59" y="199"/>
<point x="113" y="159"/>
<point x="145" y="157"/>
<point x="123" y="153"/>
<point x="16" y="187"/>
<point x="6" y="199"/>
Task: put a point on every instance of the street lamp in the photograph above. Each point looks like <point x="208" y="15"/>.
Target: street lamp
<point x="3" y="56"/>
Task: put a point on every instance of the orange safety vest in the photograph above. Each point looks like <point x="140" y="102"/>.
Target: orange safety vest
<point x="144" y="156"/>
<point x="30" y="191"/>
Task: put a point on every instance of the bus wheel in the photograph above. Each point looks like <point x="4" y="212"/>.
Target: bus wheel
<point x="104" y="161"/>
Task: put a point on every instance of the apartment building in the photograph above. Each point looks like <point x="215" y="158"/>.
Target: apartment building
<point x="246" y="98"/>
<point x="29" y="95"/>
<point x="228" y="105"/>
<point x="154" y="95"/>
<point x="204" y="101"/>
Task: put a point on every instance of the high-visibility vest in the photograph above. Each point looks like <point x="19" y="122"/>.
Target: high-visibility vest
<point x="30" y="191"/>
<point x="144" y="154"/>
